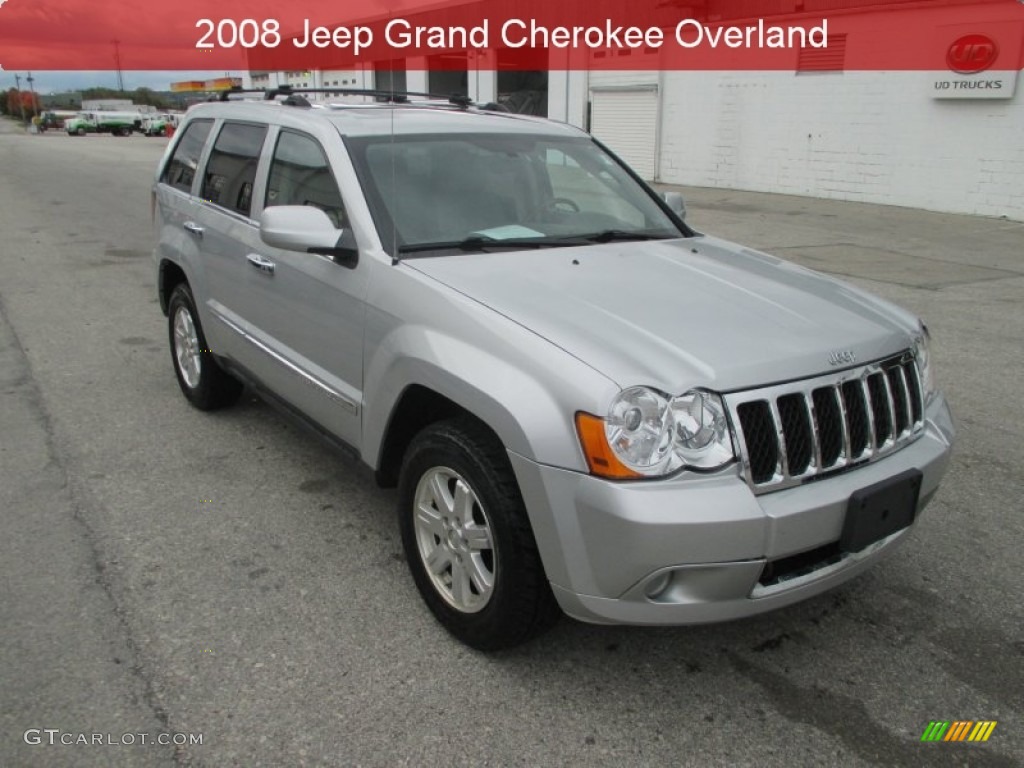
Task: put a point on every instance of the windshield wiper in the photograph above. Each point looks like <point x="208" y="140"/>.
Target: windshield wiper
<point x="477" y="243"/>
<point x="608" y="235"/>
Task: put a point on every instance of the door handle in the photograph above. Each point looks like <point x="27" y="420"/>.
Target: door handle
<point x="195" y="229"/>
<point x="262" y="264"/>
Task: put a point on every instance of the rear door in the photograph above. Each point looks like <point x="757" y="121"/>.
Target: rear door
<point x="225" y="231"/>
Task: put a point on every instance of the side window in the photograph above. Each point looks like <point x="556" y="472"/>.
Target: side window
<point x="231" y="170"/>
<point x="300" y="175"/>
<point x="181" y="168"/>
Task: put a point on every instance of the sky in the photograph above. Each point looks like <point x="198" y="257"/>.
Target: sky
<point x="57" y="81"/>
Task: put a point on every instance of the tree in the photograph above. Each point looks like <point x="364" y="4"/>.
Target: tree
<point x="9" y="102"/>
<point x="148" y="96"/>
<point x="102" y="93"/>
<point x="20" y="104"/>
<point x="30" y="100"/>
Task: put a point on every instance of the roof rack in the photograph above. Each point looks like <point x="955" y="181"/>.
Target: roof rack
<point x="295" y="97"/>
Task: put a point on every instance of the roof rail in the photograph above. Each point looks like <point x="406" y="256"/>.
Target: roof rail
<point x="294" y="96"/>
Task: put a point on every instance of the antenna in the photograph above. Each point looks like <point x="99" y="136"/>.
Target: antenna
<point x="394" y="192"/>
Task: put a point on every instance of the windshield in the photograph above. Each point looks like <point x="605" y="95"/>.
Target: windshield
<point x="487" y="191"/>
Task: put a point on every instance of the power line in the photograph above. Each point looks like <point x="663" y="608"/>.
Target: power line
<point x="32" y="90"/>
<point x="117" y="64"/>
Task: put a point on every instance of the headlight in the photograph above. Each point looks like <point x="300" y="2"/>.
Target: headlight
<point x="639" y="430"/>
<point x="702" y="432"/>
<point x="647" y="434"/>
<point x="922" y="344"/>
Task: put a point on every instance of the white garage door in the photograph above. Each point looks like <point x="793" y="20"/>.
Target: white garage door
<point x="627" y="121"/>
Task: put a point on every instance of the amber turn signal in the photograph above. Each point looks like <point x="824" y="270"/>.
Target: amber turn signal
<point x="600" y="458"/>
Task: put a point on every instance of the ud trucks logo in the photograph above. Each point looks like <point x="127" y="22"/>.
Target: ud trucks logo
<point x="971" y="54"/>
<point x="842" y="357"/>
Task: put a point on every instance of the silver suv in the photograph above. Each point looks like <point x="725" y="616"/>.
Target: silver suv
<point x="587" y="406"/>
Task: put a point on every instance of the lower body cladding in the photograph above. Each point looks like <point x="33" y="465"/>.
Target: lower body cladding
<point x="703" y="548"/>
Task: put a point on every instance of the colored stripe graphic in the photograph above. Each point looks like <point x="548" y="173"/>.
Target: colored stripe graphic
<point x="982" y="731"/>
<point x="935" y="730"/>
<point x="958" y="730"/>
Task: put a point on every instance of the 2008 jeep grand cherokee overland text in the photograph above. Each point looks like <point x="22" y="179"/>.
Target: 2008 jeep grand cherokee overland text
<point x="587" y="406"/>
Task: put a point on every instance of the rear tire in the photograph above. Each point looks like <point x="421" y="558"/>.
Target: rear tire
<point x="468" y="540"/>
<point x="203" y="382"/>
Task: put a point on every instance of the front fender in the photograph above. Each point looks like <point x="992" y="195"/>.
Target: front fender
<point x="527" y="392"/>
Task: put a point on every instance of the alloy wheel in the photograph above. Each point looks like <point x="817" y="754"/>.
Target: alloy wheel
<point x="186" y="347"/>
<point x="453" y="535"/>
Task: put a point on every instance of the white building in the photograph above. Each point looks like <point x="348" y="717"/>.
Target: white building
<point x="893" y="137"/>
<point x="111" y="105"/>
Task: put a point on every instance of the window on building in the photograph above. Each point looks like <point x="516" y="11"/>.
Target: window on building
<point x="390" y="75"/>
<point x="831" y="58"/>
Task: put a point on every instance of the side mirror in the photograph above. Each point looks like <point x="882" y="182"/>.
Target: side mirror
<point x="309" y="230"/>
<point x="675" y="201"/>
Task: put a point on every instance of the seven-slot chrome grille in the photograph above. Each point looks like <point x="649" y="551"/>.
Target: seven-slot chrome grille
<point x="794" y="432"/>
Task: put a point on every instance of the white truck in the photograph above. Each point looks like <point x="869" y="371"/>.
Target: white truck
<point x="159" y="124"/>
<point x="117" y="123"/>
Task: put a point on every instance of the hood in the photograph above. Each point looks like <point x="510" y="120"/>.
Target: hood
<point x="676" y="314"/>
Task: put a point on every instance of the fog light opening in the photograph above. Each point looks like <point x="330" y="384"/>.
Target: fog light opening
<point x="657" y="586"/>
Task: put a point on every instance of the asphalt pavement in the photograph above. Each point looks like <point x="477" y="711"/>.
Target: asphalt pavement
<point x="178" y="575"/>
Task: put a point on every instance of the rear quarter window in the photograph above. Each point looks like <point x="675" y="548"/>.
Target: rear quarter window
<point x="181" y="168"/>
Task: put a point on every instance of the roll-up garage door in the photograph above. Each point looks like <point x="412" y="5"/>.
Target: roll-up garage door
<point x="627" y="121"/>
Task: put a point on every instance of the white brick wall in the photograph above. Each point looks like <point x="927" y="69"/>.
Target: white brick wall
<point x="870" y="136"/>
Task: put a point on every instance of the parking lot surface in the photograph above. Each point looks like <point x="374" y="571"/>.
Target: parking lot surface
<point x="167" y="571"/>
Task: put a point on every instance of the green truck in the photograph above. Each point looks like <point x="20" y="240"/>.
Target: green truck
<point x="116" y="123"/>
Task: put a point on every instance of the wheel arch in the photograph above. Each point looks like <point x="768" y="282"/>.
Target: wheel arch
<point x="169" y="276"/>
<point x="417" y="407"/>
<point x="419" y="373"/>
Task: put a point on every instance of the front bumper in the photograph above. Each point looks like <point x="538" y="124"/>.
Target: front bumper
<point x="694" y="548"/>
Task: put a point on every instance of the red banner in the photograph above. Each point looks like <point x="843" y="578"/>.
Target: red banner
<point x="511" y="34"/>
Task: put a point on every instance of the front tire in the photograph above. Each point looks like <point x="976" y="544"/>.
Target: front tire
<point x="203" y="382"/>
<point x="468" y="540"/>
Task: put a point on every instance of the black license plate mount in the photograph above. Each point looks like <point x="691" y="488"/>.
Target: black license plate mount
<point x="880" y="510"/>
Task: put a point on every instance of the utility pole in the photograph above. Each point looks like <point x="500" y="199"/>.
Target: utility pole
<point x="32" y="90"/>
<point x="117" y="64"/>
<point x="21" y="102"/>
